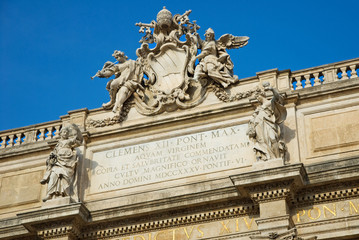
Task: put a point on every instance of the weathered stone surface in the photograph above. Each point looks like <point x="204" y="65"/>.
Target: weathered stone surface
<point x="169" y="159"/>
<point x="190" y="172"/>
<point x="61" y="165"/>
<point x="21" y="188"/>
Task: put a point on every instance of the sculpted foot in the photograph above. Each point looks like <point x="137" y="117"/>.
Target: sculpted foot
<point x="107" y="105"/>
<point x="48" y="197"/>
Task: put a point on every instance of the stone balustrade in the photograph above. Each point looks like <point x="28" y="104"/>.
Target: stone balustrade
<point x="324" y="74"/>
<point x="284" y="80"/>
<point x="36" y="133"/>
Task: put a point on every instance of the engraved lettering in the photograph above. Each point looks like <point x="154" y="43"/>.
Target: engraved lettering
<point x="352" y="207"/>
<point x="224" y="227"/>
<point x="174" y="233"/>
<point x="334" y="211"/>
<point x="188" y="235"/>
<point x="300" y="213"/>
<point x="158" y="233"/>
<point x="317" y="214"/>
<point x="200" y="231"/>
<point x="249" y="225"/>
<point x="168" y="159"/>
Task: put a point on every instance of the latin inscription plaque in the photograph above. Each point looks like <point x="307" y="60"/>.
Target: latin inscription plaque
<point x="172" y="158"/>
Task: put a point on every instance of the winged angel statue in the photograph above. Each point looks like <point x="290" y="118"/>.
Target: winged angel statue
<point x="166" y="77"/>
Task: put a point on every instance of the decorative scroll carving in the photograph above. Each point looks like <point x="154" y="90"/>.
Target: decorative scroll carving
<point x="166" y="78"/>
<point x="60" y="175"/>
<point x="263" y="128"/>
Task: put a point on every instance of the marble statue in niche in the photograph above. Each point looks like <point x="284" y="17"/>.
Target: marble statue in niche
<point x="264" y="129"/>
<point x="61" y="165"/>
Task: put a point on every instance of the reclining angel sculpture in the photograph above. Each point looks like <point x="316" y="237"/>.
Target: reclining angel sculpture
<point x="214" y="61"/>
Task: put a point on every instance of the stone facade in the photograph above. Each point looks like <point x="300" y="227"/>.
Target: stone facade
<point x="191" y="172"/>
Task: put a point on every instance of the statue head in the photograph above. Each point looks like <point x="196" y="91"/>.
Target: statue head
<point x="164" y="18"/>
<point x="64" y="133"/>
<point x="120" y="56"/>
<point x="266" y="85"/>
<point x="70" y="130"/>
<point x="209" y="34"/>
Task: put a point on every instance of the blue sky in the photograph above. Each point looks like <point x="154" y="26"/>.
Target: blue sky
<point x="50" y="49"/>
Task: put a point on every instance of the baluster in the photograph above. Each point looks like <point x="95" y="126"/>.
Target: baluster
<point x="353" y="73"/>
<point x="299" y="83"/>
<point x="3" y="143"/>
<point x="11" y="141"/>
<point x="18" y="140"/>
<point x="49" y="134"/>
<point x="316" y="79"/>
<point x="344" y="73"/>
<point x="307" y="81"/>
<point x="57" y="128"/>
<point x="42" y="135"/>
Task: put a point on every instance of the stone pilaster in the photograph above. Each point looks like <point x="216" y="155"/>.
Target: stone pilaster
<point x="272" y="189"/>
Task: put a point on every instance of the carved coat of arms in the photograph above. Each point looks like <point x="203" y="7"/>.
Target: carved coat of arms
<point x="172" y="75"/>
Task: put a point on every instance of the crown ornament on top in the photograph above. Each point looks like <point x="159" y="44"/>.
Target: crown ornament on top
<point x="173" y="74"/>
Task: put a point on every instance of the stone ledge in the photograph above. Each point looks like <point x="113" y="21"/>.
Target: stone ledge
<point x="13" y="232"/>
<point x="165" y="204"/>
<point x="24" y="149"/>
<point x="75" y="210"/>
<point x="295" y="172"/>
<point x="342" y="169"/>
<point x="191" y="117"/>
<point x="327" y="88"/>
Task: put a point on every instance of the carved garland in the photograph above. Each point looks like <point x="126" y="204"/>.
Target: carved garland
<point x="111" y="121"/>
<point x="222" y="95"/>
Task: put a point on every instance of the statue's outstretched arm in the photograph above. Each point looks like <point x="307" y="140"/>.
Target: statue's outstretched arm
<point x="276" y="96"/>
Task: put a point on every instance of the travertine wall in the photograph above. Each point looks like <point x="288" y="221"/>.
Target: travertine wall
<point x="192" y="174"/>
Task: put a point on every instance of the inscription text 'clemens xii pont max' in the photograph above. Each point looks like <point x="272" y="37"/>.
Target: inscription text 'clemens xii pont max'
<point x="169" y="159"/>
